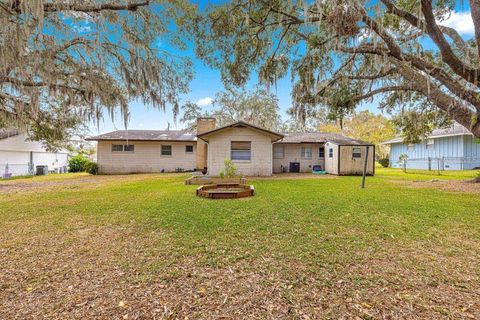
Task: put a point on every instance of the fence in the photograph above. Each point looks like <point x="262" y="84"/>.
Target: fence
<point x="24" y="169"/>
<point x="439" y="163"/>
<point x="15" y="169"/>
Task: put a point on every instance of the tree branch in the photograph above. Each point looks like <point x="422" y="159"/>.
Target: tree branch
<point x="56" y="7"/>
<point x="385" y="90"/>
<point x="475" y="9"/>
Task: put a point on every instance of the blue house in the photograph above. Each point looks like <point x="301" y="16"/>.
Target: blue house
<point x="454" y="148"/>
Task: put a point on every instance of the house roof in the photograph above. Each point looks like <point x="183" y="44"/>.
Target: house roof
<point x="320" y="137"/>
<point x="6" y="133"/>
<point x="181" y="135"/>
<point x="276" y="136"/>
<point x="455" y="130"/>
<point x="145" y="135"/>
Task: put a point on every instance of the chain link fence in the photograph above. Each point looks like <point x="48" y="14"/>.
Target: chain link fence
<point x="439" y="163"/>
<point x="8" y="170"/>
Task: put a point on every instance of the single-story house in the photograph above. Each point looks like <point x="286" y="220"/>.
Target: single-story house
<point x="454" y="148"/>
<point x="255" y="151"/>
<point x="19" y="156"/>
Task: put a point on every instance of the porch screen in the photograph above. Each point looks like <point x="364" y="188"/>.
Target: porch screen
<point x="241" y="150"/>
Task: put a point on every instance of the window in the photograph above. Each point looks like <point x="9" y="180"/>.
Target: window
<point x="430" y="144"/>
<point x="166" y="150"/>
<point x="240" y="150"/>
<point x="356" y="153"/>
<point x="306" y="152"/>
<point x="330" y="153"/>
<point x="410" y="147"/>
<point x="321" y="152"/>
<point x="117" y="147"/>
<point x="189" y="149"/>
<point x="123" y="147"/>
<point x="128" y="147"/>
<point x="278" y="152"/>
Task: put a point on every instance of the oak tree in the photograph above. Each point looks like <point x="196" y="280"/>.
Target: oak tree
<point x="65" y="63"/>
<point x="342" y="53"/>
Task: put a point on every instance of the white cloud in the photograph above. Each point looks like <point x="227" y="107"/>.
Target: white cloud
<point x="460" y="21"/>
<point x="204" y="102"/>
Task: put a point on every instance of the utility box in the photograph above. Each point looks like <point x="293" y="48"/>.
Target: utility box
<point x="41" y="170"/>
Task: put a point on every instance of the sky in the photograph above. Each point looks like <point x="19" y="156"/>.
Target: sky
<point x="207" y="82"/>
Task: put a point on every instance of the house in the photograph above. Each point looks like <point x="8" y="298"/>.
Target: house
<point x="254" y="150"/>
<point x="453" y="148"/>
<point x="19" y="156"/>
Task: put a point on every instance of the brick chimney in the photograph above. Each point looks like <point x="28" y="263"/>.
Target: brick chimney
<point x="203" y="125"/>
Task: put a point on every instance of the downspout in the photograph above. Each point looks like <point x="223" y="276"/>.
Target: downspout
<point x="31" y="169"/>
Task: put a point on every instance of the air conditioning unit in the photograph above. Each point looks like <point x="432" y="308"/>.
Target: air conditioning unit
<point x="41" y="170"/>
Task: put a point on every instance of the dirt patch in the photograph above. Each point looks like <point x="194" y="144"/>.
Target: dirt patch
<point x="466" y="186"/>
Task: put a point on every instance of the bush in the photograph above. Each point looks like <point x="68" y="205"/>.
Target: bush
<point x="384" y="162"/>
<point x="91" y="167"/>
<point x="77" y="163"/>
<point x="229" y="169"/>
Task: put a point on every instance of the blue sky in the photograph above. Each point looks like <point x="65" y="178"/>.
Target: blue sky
<point x="207" y="83"/>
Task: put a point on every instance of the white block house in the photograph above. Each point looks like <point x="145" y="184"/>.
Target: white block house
<point x="18" y="156"/>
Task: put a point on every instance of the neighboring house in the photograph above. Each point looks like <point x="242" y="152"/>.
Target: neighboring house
<point x="454" y="148"/>
<point x="254" y="150"/>
<point x="18" y="156"/>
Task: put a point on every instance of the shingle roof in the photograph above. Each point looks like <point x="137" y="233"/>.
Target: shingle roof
<point x="6" y="133"/>
<point x="241" y="124"/>
<point x="455" y="130"/>
<point x="146" y="135"/>
<point x="320" y="137"/>
<point x="181" y="135"/>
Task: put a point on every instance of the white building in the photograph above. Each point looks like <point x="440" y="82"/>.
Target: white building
<point x="18" y="156"/>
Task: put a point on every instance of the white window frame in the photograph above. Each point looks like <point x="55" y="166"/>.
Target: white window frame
<point x="356" y="152"/>
<point x="330" y="152"/>
<point x="232" y="150"/>
<point x="275" y="154"/>
<point x="430" y="144"/>
<point x="123" y="148"/>
<point x="306" y="152"/>
<point x="161" y="150"/>
<point x="188" y="145"/>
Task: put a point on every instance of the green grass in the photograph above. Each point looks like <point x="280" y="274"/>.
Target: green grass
<point x="316" y="227"/>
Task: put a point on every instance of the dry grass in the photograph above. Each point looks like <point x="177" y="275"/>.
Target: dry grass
<point x="145" y="247"/>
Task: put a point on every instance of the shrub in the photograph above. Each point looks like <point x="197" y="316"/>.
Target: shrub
<point x="384" y="162"/>
<point x="91" y="167"/>
<point x="229" y="169"/>
<point x="77" y="163"/>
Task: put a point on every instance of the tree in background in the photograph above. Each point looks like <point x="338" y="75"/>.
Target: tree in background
<point x="65" y="63"/>
<point x="257" y="107"/>
<point x="365" y="126"/>
<point x="342" y="53"/>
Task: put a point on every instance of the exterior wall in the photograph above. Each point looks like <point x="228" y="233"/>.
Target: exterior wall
<point x="261" y="152"/>
<point x="145" y="158"/>
<point x="203" y="125"/>
<point x="292" y="153"/>
<point x="448" y="153"/>
<point x="471" y="153"/>
<point x="16" y="152"/>
<point x="354" y="166"/>
<point x="331" y="164"/>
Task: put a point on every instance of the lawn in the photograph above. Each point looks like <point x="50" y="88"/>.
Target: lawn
<point x="144" y="246"/>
